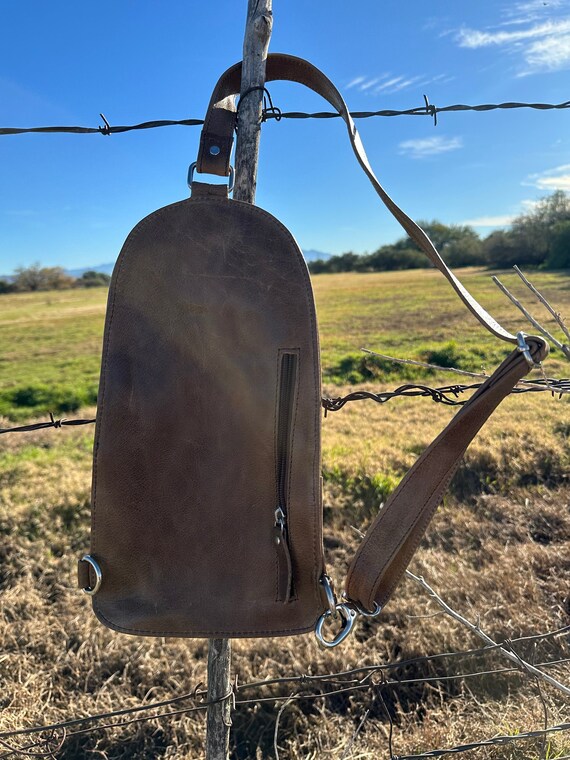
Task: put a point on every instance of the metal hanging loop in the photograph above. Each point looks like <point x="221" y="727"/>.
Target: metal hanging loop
<point x="348" y="618"/>
<point x="192" y="169"/>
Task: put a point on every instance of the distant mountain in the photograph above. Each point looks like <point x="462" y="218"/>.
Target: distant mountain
<point x="309" y="255"/>
<point x="314" y="255"/>
<point x="106" y="268"/>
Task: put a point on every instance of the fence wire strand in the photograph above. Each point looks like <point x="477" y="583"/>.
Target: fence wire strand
<point x="428" y="109"/>
<point x="343" y="682"/>
<point x="494" y="741"/>
<point x="447" y="395"/>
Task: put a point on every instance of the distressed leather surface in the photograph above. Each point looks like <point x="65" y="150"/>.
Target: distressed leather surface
<point x="205" y="294"/>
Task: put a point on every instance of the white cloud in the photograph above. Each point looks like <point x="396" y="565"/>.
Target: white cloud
<point x="363" y="83"/>
<point x="387" y="83"/>
<point x="533" y="6"/>
<point x="529" y="205"/>
<point x="430" y="146"/>
<point x="401" y="85"/>
<point x="473" y="38"/>
<point x="501" y="220"/>
<point x="550" y="54"/>
<point x="543" y="44"/>
<point x="557" y="178"/>
<point x="370" y="83"/>
<point x="555" y="183"/>
<point x="355" y="82"/>
<point x="525" y="12"/>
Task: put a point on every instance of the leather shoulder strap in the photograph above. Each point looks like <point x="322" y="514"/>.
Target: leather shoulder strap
<point x="217" y="139"/>
<point x="395" y="534"/>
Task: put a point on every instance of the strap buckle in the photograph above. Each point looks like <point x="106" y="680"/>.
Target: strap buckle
<point x="192" y="169"/>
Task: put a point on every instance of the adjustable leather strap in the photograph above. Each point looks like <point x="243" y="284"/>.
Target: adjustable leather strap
<point x="217" y="139"/>
<point x="395" y="534"/>
<point x="397" y="531"/>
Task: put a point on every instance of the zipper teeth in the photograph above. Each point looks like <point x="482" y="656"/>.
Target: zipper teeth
<point x="285" y="416"/>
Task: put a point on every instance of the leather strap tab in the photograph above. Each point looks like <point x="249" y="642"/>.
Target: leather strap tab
<point x="83" y="574"/>
<point x="205" y="190"/>
<point x="395" y="534"/>
<point x="218" y="133"/>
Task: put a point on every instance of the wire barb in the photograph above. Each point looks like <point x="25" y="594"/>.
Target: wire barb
<point x="431" y="110"/>
<point x="107" y="129"/>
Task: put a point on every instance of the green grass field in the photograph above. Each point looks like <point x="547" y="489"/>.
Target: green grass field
<point x="498" y="549"/>
<point x="50" y="343"/>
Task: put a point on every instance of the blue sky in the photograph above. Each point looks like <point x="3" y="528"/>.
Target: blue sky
<point x="71" y="200"/>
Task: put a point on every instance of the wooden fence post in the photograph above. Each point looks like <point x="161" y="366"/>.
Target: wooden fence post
<point x="256" y="43"/>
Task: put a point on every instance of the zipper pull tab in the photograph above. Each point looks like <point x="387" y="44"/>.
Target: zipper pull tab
<point x="280" y="518"/>
<point x="285" y="571"/>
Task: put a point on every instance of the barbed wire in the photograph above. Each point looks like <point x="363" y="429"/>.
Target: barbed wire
<point x="33" y="749"/>
<point x="342" y="681"/>
<point x="428" y="109"/>
<point x="53" y="423"/>
<point x="447" y="395"/>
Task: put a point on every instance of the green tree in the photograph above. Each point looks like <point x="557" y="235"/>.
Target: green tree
<point x="458" y="244"/>
<point x="388" y="258"/>
<point x="559" y="254"/>
<point x="29" y="278"/>
<point x="534" y="233"/>
<point x="6" y="287"/>
<point x="35" y="278"/>
<point x="501" y="249"/>
<point x="92" y="279"/>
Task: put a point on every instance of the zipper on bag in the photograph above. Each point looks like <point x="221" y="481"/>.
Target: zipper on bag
<point x="286" y="400"/>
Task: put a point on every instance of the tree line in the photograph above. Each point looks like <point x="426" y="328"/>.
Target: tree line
<point x="539" y="238"/>
<point x="37" y="278"/>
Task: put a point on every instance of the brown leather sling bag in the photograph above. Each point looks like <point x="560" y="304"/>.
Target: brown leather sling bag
<point x="206" y="501"/>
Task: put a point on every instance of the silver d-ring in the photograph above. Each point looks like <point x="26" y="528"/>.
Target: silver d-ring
<point x="192" y="169"/>
<point x="348" y="618"/>
<point x="92" y="590"/>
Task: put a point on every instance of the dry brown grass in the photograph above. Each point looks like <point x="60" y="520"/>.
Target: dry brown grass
<point x="525" y="443"/>
<point x="503" y="557"/>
